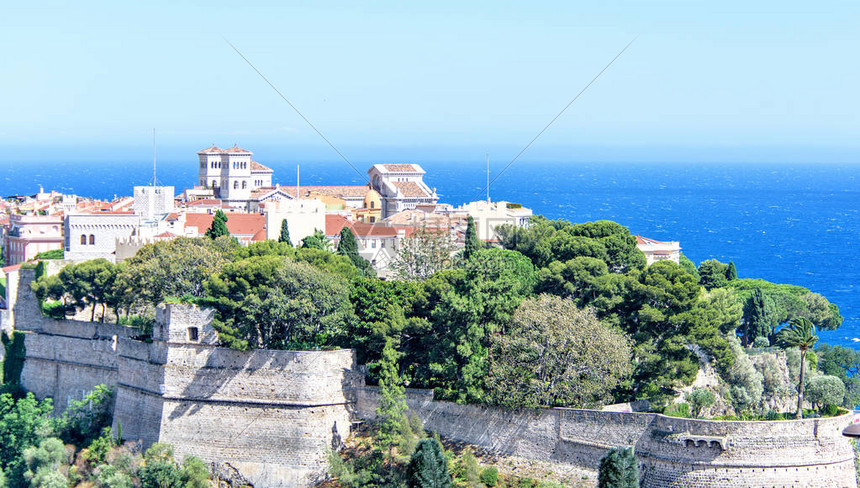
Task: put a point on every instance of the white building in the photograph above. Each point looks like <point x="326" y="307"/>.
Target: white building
<point x="659" y="251"/>
<point x="95" y="234"/>
<point x="303" y="216"/>
<point x="401" y="187"/>
<point x="232" y="174"/>
<point x="489" y="215"/>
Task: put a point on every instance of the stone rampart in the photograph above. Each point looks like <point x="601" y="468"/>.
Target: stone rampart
<point x="672" y="452"/>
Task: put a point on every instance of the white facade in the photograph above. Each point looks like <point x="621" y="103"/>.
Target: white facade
<point x="401" y="187"/>
<point x="489" y="215"/>
<point x="232" y="174"/>
<point x="153" y="202"/>
<point x="659" y="251"/>
<point x="93" y="236"/>
<point x="303" y="216"/>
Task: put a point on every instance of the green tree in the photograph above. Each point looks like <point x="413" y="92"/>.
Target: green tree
<point x="392" y="399"/>
<point x="87" y="284"/>
<point x="317" y="240"/>
<point x="424" y="253"/>
<point x="712" y="274"/>
<point x="689" y="266"/>
<point x="84" y="419"/>
<point x="285" y="233"/>
<point x="472" y="241"/>
<point x="844" y="363"/>
<point x="23" y="422"/>
<point x="557" y="355"/>
<point x="42" y="463"/>
<point x="759" y="317"/>
<point x="800" y="334"/>
<point x="172" y="268"/>
<point x="347" y="246"/>
<point x="700" y="399"/>
<point x="825" y="390"/>
<point x="219" y="226"/>
<point x="618" y="469"/>
<point x="276" y="303"/>
<point x="428" y="467"/>
<point x="731" y="272"/>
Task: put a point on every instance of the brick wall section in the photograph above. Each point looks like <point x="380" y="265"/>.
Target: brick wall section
<point x="672" y="452"/>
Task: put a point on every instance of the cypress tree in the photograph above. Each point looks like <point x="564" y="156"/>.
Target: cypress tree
<point x="472" y="241"/>
<point x="285" y="233"/>
<point x="347" y="246"/>
<point x="219" y="226"/>
<point x="392" y="398"/>
<point x="618" y="469"/>
<point x="759" y="317"/>
<point x="732" y="272"/>
<point x="428" y="468"/>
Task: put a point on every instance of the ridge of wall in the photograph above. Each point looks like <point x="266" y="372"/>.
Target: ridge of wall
<point x="672" y="452"/>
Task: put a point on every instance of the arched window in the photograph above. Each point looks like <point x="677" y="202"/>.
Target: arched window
<point x="244" y="185"/>
<point x="372" y="204"/>
<point x="92" y="239"/>
<point x="235" y="185"/>
<point x="214" y="183"/>
<point x="83" y="239"/>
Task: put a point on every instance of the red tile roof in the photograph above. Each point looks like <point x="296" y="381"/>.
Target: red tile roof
<point x="203" y="202"/>
<point x="211" y="150"/>
<point x="410" y="189"/>
<point x="14" y="267"/>
<point x="237" y="150"/>
<point x="334" y="223"/>
<point x="647" y="241"/>
<point x="239" y="224"/>
<point x="400" y="168"/>
<point x="255" y="166"/>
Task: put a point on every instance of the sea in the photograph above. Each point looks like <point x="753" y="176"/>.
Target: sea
<point x="785" y="223"/>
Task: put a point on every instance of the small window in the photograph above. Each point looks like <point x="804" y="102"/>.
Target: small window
<point x="235" y="185"/>
<point x="372" y="219"/>
<point x="372" y="204"/>
<point x="83" y="239"/>
<point x="92" y="239"/>
<point x="244" y="185"/>
<point x="193" y="334"/>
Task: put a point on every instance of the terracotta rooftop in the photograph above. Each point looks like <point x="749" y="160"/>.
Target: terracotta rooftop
<point x="401" y="168"/>
<point x="237" y="150"/>
<point x="203" y="202"/>
<point x="332" y="191"/>
<point x="255" y="166"/>
<point x="334" y="223"/>
<point x="211" y="150"/>
<point x="409" y="188"/>
<point x="649" y="242"/>
<point x="239" y="224"/>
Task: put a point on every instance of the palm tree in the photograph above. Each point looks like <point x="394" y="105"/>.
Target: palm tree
<point x="801" y="334"/>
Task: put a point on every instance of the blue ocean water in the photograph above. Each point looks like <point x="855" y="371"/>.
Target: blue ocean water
<point x="786" y="223"/>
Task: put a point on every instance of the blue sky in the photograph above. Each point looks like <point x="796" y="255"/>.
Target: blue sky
<point x="745" y="81"/>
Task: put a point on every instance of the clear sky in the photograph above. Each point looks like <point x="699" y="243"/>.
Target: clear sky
<point x="705" y="81"/>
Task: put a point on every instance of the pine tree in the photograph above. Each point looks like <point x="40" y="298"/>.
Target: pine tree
<point x="285" y="233"/>
<point x="428" y="467"/>
<point x="618" y="469"/>
<point x="472" y="241"/>
<point x="392" y="398"/>
<point x="219" y="226"/>
<point x="732" y="272"/>
<point x="347" y="246"/>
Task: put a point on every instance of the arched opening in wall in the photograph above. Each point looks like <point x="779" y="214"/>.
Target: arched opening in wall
<point x="83" y="239"/>
<point x="92" y="239"/>
<point x="235" y="185"/>
<point x="244" y="185"/>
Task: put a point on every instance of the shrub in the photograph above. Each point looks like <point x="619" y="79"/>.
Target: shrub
<point x="678" y="410"/>
<point x="761" y="342"/>
<point x="490" y="476"/>
<point x="825" y="390"/>
<point x="700" y="399"/>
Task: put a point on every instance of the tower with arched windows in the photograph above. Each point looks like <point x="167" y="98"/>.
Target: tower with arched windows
<point x="231" y="173"/>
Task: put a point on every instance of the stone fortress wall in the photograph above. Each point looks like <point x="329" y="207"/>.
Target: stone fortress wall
<point x="672" y="452"/>
<point x="267" y="417"/>
<point x="271" y="416"/>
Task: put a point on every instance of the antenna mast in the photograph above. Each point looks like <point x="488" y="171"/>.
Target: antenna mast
<point x="154" y="181"/>
<point x="297" y="182"/>
<point x="488" y="177"/>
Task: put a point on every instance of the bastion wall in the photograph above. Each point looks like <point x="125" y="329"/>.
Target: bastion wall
<point x="269" y="417"/>
<point x="672" y="452"/>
